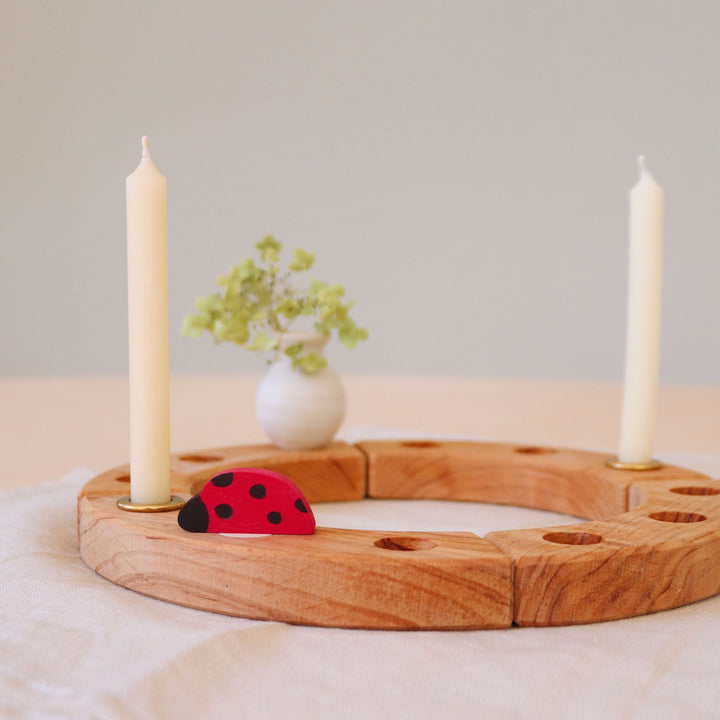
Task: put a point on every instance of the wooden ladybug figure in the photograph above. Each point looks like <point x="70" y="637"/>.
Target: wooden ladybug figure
<point x="248" y="500"/>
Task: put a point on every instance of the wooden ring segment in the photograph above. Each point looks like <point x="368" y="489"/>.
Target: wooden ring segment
<point x="653" y="543"/>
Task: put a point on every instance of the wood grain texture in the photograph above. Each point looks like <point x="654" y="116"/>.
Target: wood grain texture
<point x="335" y="474"/>
<point x="659" y="554"/>
<point x="336" y="578"/>
<point x="576" y="482"/>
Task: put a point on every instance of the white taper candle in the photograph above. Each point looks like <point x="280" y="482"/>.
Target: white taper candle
<point x="642" y="353"/>
<point x="146" y="191"/>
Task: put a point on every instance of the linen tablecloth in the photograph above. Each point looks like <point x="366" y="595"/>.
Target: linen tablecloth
<point x="73" y="645"/>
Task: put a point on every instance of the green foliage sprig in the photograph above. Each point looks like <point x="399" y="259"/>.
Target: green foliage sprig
<point x="258" y="302"/>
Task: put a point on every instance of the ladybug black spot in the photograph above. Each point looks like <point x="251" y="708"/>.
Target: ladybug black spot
<point x="222" y="480"/>
<point x="193" y="515"/>
<point x="274" y="518"/>
<point x="258" y="491"/>
<point x="223" y="511"/>
<point x="300" y="505"/>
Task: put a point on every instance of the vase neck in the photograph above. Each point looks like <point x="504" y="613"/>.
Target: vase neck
<point x="311" y="342"/>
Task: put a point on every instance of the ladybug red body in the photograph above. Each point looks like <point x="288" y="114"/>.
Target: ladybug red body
<point x="248" y="500"/>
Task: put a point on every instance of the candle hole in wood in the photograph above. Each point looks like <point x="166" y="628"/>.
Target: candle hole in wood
<point x="695" y="490"/>
<point x="420" y="444"/>
<point x="404" y="542"/>
<point x="200" y="458"/>
<point x="569" y="538"/>
<point x="532" y="450"/>
<point x="677" y="517"/>
<point x="123" y="478"/>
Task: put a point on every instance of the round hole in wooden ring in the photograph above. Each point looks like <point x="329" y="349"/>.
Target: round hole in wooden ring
<point x="123" y="478"/>
<point x="573" y="538"/>
<point x="200" y="458"/>
<point x="420" y="444"/>
<point x="404" y="542"/>
<point x="675" y="516"/>
<point x="695" y="490"/>
<point x="533" y="450"/>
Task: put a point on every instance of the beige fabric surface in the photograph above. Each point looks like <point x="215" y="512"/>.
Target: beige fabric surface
<point x="72" y="645"/>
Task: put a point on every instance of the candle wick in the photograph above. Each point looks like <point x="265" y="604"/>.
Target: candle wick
<point x="641" y="163"/>
<point x="145" y="147"/>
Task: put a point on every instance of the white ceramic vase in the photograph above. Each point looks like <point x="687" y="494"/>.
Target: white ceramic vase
<point x="298" y="410"/>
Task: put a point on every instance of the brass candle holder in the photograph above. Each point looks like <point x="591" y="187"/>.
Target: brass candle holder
<point x="616" y="464"/>
<point x="174" y="503"/>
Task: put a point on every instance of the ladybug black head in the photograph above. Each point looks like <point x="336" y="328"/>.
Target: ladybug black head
<point x="193" y="515"/>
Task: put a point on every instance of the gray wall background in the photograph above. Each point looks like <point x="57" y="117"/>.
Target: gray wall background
<point x="462" y="167"/>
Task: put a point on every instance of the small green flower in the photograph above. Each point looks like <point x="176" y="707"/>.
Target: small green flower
<point x="263" y="342"/>
<point x="310" y="363"/>
<point x="302" y="260"/>
<point x="269" y="249"/>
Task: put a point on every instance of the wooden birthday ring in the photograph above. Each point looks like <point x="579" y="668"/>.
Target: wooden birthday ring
<point x="653" y="542"/>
